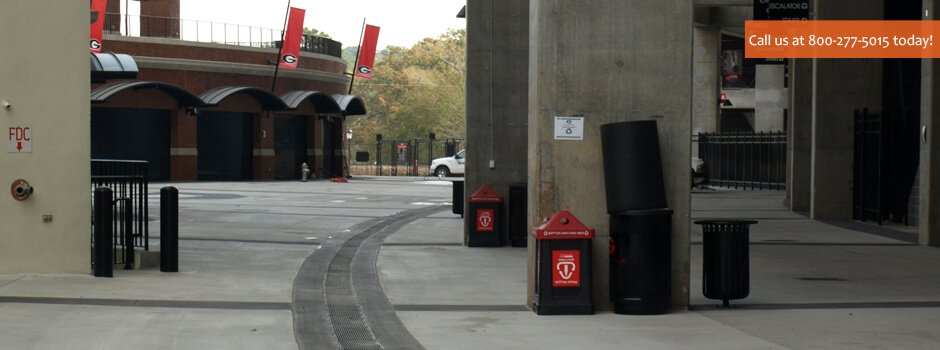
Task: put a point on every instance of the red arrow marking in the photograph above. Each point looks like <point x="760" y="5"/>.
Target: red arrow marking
<point x="19" y="146"/>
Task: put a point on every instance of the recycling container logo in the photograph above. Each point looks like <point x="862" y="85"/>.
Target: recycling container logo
<point x="484" y="220"/>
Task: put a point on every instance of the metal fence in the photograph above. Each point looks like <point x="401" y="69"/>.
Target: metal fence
<point x="128" y="181"/>
<point x="399" y="157"/>
<point x="755" y="161"/>
<point x="212" y="32"/>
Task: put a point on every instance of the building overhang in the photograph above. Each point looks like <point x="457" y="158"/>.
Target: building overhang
<point x="183" y="97"/>
<point x="350" y="104"/>
<point x="108" y="65"/>
<point x="270" y="102"/>
<point x="322" y="102"/>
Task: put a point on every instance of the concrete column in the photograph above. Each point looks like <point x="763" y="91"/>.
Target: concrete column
<point x="184" y="157"/>
<point x="770" y="97"/>
<point x="706" y="80"/>
<point x="497" y="62"/>
<point x="799" y="135"/>
<point x="929" y="167"/>
<point x="608" y="61"/>
<point x="840" y="86"/>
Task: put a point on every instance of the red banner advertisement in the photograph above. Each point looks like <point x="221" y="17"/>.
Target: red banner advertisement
<point x="367" y="52"/>
<point x="565" y="268"/>
<point x="97" y="24"/>
<point x="290" y="52"/>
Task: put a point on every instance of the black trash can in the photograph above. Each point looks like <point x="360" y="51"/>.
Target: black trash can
<point x="457" y="206"/>
<point x="518" y="234"/>
<point x="633" y="171"/>
<point x="485" y="209"/>
<point x="563" y="278"/>
<point x="640" y="261"/>
<point x="726" y="269"/>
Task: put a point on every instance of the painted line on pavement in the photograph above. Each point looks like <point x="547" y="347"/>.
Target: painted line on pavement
<point x="173" y="304"/>
<point x="462" y="308"/>
<point x="819" y="306"/>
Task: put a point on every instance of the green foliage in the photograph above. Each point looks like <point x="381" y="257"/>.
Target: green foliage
<point x="316" y="32"/>
<point x="415" y="91"/>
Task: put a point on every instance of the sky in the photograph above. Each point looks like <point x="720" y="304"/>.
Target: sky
<point x="402" y="22"/>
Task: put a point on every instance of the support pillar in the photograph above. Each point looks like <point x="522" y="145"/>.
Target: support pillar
<point x="929" y="206"/>
<point x="706" y="81"/>
<point x="608" y="61"/>
<point x="799" y="134"/>
<point x="840" y="86"/>
<point x="497" y="125"/>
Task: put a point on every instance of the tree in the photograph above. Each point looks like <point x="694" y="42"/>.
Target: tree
<point x="415" y="91"/>
<point x="316" y="32"/>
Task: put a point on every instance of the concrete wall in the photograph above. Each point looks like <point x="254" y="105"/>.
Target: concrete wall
<point x="608" y="61"/>
<point x="497" y="59"/>
<point x="45" y="81"/>
<point x="799" y="135"/>
<point x="770" y="98"/>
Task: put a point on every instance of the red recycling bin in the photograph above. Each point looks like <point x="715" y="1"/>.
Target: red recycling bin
<point x="485" y="209"/>
<point x="563" y="279"/>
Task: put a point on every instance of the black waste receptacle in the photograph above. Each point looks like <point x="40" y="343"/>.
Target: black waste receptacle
<point x="485" y="209"/>
<point x="518" y="234"/>
<point x="640" y="261"/>
<point x="633" y="172"/>
<point x="457" y="206"/>
<point x="726" y="270"/>
<point x="563" y="278"/>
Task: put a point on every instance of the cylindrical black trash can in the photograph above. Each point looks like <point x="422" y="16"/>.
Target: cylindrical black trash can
<point x="485" y="209"/>
<point x="518" y="234"/>
<point x="457" y="207"/>
<point x="726" y="269"/>
<point x="633" y="172"/>
<point x="640" y="261"/>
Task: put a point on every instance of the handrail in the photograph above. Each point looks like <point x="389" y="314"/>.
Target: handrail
<point x="212" y="32"/>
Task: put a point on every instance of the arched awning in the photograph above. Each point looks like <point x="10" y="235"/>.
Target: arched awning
<point x="183" y="97"/>
<point x="350" y="104"/>
<point x="322" y="102"/>
<point x="109" y="65"/>
<point x="270" y="102"/>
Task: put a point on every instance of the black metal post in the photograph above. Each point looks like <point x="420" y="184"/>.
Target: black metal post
<point x="104" y="225"/>
<point x="169" y="229"/>
<point x="128" y="233"/>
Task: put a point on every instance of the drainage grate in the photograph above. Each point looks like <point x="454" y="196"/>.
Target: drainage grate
<point x="349" y="325"/>
<point x="825" y="279"/>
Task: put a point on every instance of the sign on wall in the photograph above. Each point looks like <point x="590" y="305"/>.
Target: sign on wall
<point x="20" y="140"/>
<point x="569" y="128"/>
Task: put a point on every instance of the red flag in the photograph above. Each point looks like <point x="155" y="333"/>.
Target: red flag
<point x="367" y="52"/>
<point x="97" y="26"/>
<point x="290" y="52"/>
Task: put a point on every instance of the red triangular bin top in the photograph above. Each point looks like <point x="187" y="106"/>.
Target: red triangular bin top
<point x="485" y="195"/>
<point x="564" y="225"/>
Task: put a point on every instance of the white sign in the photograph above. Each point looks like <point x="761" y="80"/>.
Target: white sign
<point x="569" y="128"/>
<point x="20" y="140"/>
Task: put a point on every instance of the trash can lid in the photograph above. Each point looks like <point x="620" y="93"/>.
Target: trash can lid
<point x="485" y="194"/>
<point x="563" y="225"/>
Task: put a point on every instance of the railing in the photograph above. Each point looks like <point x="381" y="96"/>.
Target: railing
<point x="127" y="179"/>
<point x="400" y="158"/>
<point x="745" y="160"/>
<point x="212" y="32"/>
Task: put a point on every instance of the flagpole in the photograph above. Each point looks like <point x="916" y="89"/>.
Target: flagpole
<point x="280" y="50"/>
<point x="358" y="51"/>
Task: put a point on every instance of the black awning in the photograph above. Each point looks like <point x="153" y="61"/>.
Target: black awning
<point x="183" y="97"/>
<point x="350" y="104"/>
<point x="270" y="102"/>
<point x="322" y="102"/>
<point x="109" y="65"/>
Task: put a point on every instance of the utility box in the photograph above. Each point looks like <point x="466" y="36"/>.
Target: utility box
<point x="485" y="209"/>
<point x="563" y="278"/>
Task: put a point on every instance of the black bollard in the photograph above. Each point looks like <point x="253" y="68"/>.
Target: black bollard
<point x="169" y="229"/>
<point x="128" y="233"/>
<point x="104" y="226"/>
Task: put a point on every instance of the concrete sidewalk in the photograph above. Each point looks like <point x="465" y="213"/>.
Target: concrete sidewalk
<point x="257" y="261"/>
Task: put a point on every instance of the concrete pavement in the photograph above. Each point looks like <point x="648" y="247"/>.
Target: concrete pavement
<point x="378" y="263"/>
